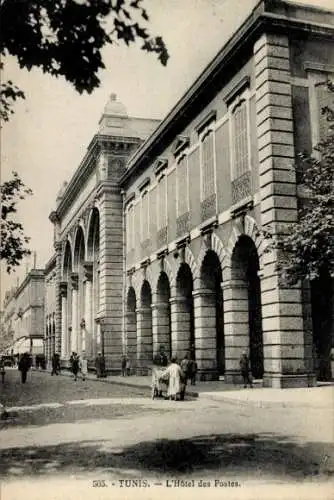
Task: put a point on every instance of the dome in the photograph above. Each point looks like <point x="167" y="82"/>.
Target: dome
<point x="114" y="107"/>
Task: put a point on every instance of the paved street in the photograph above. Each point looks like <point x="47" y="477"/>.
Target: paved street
<point x="62" y="430"/>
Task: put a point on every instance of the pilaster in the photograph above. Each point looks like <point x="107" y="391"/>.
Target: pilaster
<point x="144" y="340"/>
<point x="205" y="333"/>
<point x="236" y="327"/>
<point x="161" y="327"/>
<point x="283" y="338"/>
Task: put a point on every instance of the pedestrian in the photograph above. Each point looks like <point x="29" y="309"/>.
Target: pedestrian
<point x="74" y="360"/>
<point x="128" y="367"/>
<point x="160" y="359"/>
<point x="193" y="370"/>
<point x="2" y="370"/>
<point x="24" y="366"/>
<point x="123" y="366"/>
<point x="55" y="361"/>
<point x="100" y="365"/>
<point x="244" y="368"/>
<point x="83" y="365"/>
<point x="174" y="375"/>
<point x="186" y="365"/>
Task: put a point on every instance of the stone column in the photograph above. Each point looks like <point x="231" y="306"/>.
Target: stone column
<point x="75" y="325"/>
<point x="144" y="340"/>
<point x="161" y="327"/>
<point x="205" y="333"/>
<point x="64" y="327"/>
<point x="131" y="337"/>
<point x="236" y="327"/>
<point x="180" y="325"/>
<point x="283" y="337"/>
<point x="88" y="277"/>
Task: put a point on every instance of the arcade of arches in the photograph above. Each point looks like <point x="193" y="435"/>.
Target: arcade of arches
<point x="212" y="319"/>
<point x="79" y="291"/>
<point x="213" y="311"/>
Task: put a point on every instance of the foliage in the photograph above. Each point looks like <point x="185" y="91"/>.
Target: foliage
<point x="307" y="246"/>
<point x="65" y="38"/>
<point x="13" y="241"/>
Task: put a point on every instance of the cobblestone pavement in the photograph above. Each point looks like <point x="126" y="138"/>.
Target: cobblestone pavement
<point x="60" y="430"/>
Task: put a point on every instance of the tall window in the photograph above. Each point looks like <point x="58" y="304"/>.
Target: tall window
<point x="208" y="164"/>
<point x="144" y="216"/>
<point x="182" y="187"/>
<point x="129" y="228"/>
<point x="240" y="131"/>
<point x="162" y="202"/>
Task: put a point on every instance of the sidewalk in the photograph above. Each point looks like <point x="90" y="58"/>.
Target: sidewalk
<point x="321" y="396"/>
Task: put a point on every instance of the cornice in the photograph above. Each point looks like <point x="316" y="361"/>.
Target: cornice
<point x="267" y="15"/>
<point x="120" y="146"/>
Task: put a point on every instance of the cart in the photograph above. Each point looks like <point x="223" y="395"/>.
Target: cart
<point x="159" y="382"/>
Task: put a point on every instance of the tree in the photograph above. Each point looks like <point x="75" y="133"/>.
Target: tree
<point x="66" y="37"/>
<point x="13" y="241"/>
<point x="307" y="247"/>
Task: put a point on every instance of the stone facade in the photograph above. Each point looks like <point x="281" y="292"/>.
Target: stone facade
<point x="50" y="308"/>
<point x="158" y="234"/>
<point x="24" y="314"/>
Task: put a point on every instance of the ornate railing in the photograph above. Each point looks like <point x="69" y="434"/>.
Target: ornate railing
<point x="162" y="237"/>
<point x="182" y="224"/>
<point x="208" y="207"/>
<point x="241" y="187"/>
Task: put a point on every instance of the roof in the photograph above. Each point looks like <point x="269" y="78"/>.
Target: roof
<point x="267" y="14"/>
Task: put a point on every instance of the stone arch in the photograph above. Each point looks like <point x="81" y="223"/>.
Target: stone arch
<point x="136" y="281"/>
<point x="182" y="311"/>
<point x="161" y="315"/>
<point x="252" y="230"/>
<point x="67" y="259"/>
<point x="209" y="317"/>
<point x="246" y="292"/>
<point x="191" y="261"/>
<point x="92" y="232"/>
<point x="131" y="327"/>
<point x="148" y="276"/>
<point x="144" y="329"/>
<point x="79" y="250"/>
<point x="218" y="247"/>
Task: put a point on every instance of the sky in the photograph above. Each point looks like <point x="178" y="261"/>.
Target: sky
<point x="48" y="135"/>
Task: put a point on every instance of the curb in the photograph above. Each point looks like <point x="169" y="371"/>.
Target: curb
<point x="116" y="382"/>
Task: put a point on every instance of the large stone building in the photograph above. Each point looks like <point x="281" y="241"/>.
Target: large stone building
<point x="158" y="233"/>
<point x="23" y="315"/>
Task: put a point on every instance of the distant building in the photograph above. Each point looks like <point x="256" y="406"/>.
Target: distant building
<point x="24" y="314"/>
<point x="50" y="307"/>
<point x="157" y="235"/>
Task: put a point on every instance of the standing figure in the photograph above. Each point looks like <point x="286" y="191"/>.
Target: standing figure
<point x="160" y="359"/>
<point x="74" y="360"/>
<point x="2" y="370"/>
<point x="100" y="365"/>
<point x="55" y="364"/>
<point x="83" y="365"/>
<point x="128" y="367"/>
<point x="24" y="366"/>
<point x="186" y="365"/>
<point x="123" y="366"/>
<point x="244" y="368"/>
<point x="174" y="374"/>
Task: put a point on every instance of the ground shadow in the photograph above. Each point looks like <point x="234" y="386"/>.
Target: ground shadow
<point x="254" y="456"/>
<point x="69" y="414"/>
